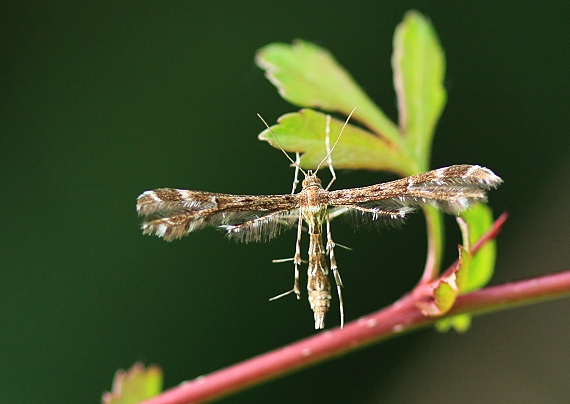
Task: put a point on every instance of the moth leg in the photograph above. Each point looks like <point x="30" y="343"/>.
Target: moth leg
<point x="296" y="180"/>
<point x="328" y="147"/>
<point x="336" y="273"/>
<point x="280" y="260"/>
<point x="336" y="212"/>
<point x="297" y="258"/>
<point x="296" y="262"/>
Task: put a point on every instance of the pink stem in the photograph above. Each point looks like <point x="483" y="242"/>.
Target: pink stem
<point x="402" y="316"/>
<point x="434" y="223"/>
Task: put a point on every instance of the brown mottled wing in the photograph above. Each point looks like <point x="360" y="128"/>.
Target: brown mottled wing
<point x="173" y="213"/>
<point x="450" y="189"/>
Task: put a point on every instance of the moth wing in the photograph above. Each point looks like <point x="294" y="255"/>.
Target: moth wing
<point x="262" y="227"/>
<point x="173" y="213"/>
<point x="451" y="189"/>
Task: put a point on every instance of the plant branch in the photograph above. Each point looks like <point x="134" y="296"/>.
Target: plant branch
<point x="434" y="225"/>
<point x="402" y="316"/>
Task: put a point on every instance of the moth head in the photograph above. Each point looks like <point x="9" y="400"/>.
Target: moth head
<point x="311" y="180"/>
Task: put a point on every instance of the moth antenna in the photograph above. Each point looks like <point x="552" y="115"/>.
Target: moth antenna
<point x="337" y="139"/>
<point x="295" y="164"/>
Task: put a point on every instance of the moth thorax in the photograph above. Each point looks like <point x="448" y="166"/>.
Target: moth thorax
<point x="314" y="216"/>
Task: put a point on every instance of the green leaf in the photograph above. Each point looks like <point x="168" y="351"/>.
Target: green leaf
<point x="135" y="385"/>
<point x="305" y="132"/>
<point x="445" y="293"/>
<point x="460" y="323"/>
<point x="418" y="62"/>
<point x="479" y="219"/>
<point x="436" y="298"/>
<point x="309" y="76"/>
<point x="474" y="271"/>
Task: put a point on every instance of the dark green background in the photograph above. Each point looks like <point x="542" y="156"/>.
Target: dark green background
<point x="102" y="101"/>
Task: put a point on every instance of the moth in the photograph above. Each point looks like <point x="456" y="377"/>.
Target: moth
<point x="173" y="213"/>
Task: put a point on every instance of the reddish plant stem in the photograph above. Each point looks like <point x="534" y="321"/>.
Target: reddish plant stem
<point x="492" y="233"/>
<point x="434" y="224"/>
<point x="402" y="316"/>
